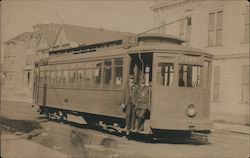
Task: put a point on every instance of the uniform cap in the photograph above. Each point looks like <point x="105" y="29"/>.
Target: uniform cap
<point x="131" y="77"/>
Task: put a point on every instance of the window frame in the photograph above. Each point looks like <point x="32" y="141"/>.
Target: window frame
<point x="115" y="66"/>
<point x="245" y="84"/>
<point x="169" y="64"/>
<point x="215" y="29"/>
<point x="246" y="25"/>
<point x="87" y="69"/>
<point x="216" y="84"/>
<point x="188" y="66"/>
<point x="107" y="67"/>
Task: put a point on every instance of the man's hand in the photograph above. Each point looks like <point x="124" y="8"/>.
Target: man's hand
<point x="123" y="106"/>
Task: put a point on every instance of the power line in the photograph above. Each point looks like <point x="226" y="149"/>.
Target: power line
<point x="60" y="18"/>
<point x="163" y="25"/>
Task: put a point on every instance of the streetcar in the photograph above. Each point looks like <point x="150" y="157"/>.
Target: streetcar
<point x="89" y="81"/>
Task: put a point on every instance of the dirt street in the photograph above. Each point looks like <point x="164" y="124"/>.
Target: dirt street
<point x="19" y="118"/>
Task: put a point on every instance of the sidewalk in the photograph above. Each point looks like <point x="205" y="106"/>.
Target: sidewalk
<point x="233" y="127"/>
<point x="14" y="146"/>
<point x="28" y="100"/>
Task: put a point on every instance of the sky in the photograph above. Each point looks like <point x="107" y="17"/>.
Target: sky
<point x="20" y="16"/>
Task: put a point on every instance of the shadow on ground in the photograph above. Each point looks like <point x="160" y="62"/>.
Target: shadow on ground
<point x="145" y="138"/>
<point x="171" y="139"/>
<point x="23" y="126"/>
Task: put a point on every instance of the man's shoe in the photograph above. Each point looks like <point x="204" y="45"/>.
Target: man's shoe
<point x="127" y="132"/>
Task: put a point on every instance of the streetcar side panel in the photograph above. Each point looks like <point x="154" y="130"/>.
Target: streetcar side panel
<point x="90" y="101"/>
<point x="100" y="99"/>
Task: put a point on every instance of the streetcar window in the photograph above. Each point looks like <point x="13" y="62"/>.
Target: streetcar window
<point x="80" y="74"/>
<point x="65" y="77"/>
<point x="41" y="78"/>
<point x="118" y="75"/>
<point x="47" y="77"/>
<point x="53" y="77"/>
<point x="58" y="76"/>
<point x="88" y="76"/>
<point x="107" y="72"/>
<point x="189" y="75"/>
<point x="118" y="61"/>
<point x="165" y="74"/>
<point x="97" y="72"/>
<point x="118" y="71"/>
<point x="72" y="77"/>
<point x="107" y="63"/>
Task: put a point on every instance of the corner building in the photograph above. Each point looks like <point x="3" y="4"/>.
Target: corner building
<point x="221" y="28"/>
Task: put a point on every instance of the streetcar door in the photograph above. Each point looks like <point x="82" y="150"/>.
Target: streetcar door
<point x="141" y="70"/>
<point x="141" y="67"/>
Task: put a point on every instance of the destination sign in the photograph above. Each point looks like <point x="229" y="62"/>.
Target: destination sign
<point x="190" y="59"/>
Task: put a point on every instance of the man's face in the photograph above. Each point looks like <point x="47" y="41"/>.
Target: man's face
<point x="131" y="82"/>
<point x="142" y="85"/>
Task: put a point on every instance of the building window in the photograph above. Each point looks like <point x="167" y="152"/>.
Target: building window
<point x="182" y="29"/>
<point x="246" y="33"/>
<point x="245" y="84"/>
<point x="215" y="28"/>
<point x="185" y="29"/>
<point x="216" y="83"/>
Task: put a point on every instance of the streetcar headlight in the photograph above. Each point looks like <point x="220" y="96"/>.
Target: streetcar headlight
<point x="190" y="111"/>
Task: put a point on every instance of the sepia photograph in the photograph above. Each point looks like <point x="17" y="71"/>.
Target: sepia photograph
<point x="124" y="79"/>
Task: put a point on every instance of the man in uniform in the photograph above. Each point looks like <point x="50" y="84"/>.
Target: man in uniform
<point x="141" y="105"/>
<point x="129" y="105"/>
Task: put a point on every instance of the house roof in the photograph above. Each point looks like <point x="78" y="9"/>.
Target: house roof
<point x="80" y="34"/>
<point x="50" y="32"/>
<point x="20" y="37"/>
<point x="87" y="35"/>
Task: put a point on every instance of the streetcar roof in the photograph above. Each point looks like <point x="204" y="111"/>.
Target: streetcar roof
<point x="164" y="36"/>
<point x="118" y="40"/>
<point x="143" y="48"/>
<point x="174" y="48"/>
